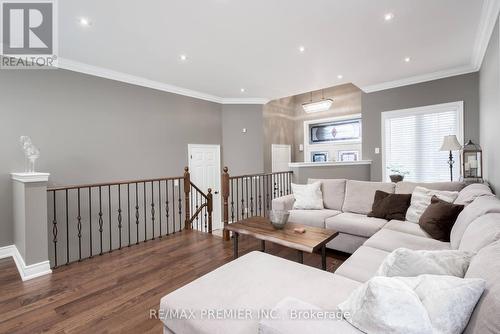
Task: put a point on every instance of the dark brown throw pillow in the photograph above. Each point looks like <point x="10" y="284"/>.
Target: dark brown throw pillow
<point x="439" y="217"/>
<point x="390" y="206"/>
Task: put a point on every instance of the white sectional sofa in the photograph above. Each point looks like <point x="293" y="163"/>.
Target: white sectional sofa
<point x="347" y="203"/>
<point x="259" y="281"/>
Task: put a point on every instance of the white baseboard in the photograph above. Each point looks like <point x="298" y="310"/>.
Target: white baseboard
<point x="26" y="272"/>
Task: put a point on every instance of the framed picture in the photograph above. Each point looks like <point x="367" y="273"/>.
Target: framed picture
<point x="319" y="156"/>
<point x="345" y="156"/>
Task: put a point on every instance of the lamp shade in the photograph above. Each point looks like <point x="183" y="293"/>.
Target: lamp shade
<point x="450" y="143"/>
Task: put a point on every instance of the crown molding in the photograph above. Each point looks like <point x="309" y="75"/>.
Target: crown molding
<point x="489" y="16"/>
<point x="97" y="71"/>
<point x="419" y="79"/>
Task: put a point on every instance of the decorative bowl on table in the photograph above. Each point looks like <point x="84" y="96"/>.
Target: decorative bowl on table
<point x="278" y="218"/>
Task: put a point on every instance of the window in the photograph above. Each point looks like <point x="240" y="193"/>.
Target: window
<point x="412" y="140"/>
<point x="335" y="131"/>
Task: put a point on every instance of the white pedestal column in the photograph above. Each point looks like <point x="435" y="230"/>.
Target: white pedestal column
<point x="31" y="252"/>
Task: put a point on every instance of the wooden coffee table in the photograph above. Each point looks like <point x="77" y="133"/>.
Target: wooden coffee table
<point x="314" y="238"/>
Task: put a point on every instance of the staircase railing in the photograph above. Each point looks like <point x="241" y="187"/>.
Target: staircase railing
<point x="93" y="219"/>
<point x="251" y="195"/>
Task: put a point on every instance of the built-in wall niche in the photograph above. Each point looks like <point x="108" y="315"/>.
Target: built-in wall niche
<point x="333" y="139"/>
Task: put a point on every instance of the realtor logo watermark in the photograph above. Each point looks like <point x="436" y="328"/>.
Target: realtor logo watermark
<point x="29" y="34"/>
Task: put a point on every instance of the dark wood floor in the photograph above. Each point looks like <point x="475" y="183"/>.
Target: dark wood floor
<point x="113" y="293"/>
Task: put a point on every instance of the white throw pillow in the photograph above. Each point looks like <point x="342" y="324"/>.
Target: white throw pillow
<point x="413" y="305"/>
<point x="421" y="199"/>
<point x="467" y="195"/>
<point x="408" y="263"/>
<point x="307" y="196"/>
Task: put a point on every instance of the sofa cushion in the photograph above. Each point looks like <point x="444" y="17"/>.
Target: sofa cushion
<point x="482" y="232"/>
<point x="390" y="206"/>
<point x="486" y="265"/>
<point x="406" y="227"/>
<point x="286" y="324"/>
<point x="346" y="243"/>
<point x="479" y="207"/>
<point x="421" y="199"/>
<point x="314" y="218"/>
<point x="255" y="281"/>
<point x="333" y="192"/>
<point x="467" y="195"/>
<point x="439" y="217"/>
<point x="363" y="264"/>
<point x="359" y="195"/>
<point x="307" y="196"/>
<point x="356" y="224"/>
<point x="409" y="187"/>
<point x="390" y="240"/>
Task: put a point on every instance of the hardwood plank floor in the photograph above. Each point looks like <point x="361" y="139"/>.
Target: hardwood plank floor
<point x="113" y="293"/>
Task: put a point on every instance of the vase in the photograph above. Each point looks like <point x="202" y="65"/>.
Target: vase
<point x="396" y="178"/>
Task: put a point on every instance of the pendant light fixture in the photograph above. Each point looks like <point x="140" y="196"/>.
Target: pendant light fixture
<point x="318" y="106"/>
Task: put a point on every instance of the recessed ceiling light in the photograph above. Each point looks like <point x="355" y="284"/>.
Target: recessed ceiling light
<point x="302" y="49"/>
<point x="242" y="90"/>
<point x="388" y="17"/>
<point x="85" y="22"/>
<point x="407" y="59"/>
<point x="340" y="76"/>
<point x="183" y="57"/>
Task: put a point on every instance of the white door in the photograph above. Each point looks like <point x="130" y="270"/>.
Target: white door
<point x="281" y="157"/>
<point x="204" y="166"/>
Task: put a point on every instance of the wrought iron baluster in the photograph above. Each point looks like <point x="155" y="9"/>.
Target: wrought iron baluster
<point x="128" y="212"/>
<point x="120" y="216"/>
<point x="153" y="210"/>
<point x="167" y="209"/>
<point x="54" y="229"/>
<point x="275" y="185"/>
<point x="242" y="199"/>
<point x="173" y="206"/>
<point x="281" y="184"/>
<point x="237" y="200"/>
<point x="205" y="215"/>
<point x="100" y="218"/>
<point x="79" y="227"/>
<point x="267" y="193"/>
<point x="260" y="194"/>
<point x="197" y="206"/>
<point x="109" y="219"/>
<point x="232" y="201"/>
<point x="145" y="212"/>
<point x="246" y="192"/>
<point x="251" y="195"/>
<point x="137" y="213"/>
<point x="90" y="222"/>
<point x="159" y="205"/>
<point x="180" y="205"/>
<point x="67" y="229"/>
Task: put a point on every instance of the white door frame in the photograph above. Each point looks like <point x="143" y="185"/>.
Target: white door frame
<point x="273" y="146"/>
<point x="217" y="203"/>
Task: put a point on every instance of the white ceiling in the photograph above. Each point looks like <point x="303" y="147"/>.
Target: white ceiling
<point x="253" y="44"/>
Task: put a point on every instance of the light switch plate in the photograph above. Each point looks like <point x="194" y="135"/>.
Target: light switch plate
<point x="244" y="130"/>
<point x="377" y="150"/>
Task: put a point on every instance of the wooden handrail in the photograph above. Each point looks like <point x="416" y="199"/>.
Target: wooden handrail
<point x="116" y="183"/>
<point x="259" y="174"/>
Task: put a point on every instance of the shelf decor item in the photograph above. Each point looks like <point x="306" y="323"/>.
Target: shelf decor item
<point x="450" y="143"/>
<point x="31" y="154"/>
<point x="472" y="162"/>
<point x="397" y="173"/>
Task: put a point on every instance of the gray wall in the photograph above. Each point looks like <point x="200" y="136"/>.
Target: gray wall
<point x="458" y="88"/>
<point x="243" y="152"/>
<point x="489" y="94"/>
<point x="91" y="129"/>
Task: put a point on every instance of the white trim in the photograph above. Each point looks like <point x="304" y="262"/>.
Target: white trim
<point x="458" y="106"/>
<point x="30" y="177"/>
<point x="489" y="15"/>
<point x="97" y="71"/>
<point x="328" y="164"/>
<point x="419" y="79"/>
<point x="26" y="272"/>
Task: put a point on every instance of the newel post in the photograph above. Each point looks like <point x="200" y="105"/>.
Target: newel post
<point x="187" y="189"/>
<point x="225" y="196"/>
<point x="210" y="208"/>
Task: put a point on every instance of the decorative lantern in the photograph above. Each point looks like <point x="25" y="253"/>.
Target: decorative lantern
<point x="472" y="162"/>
